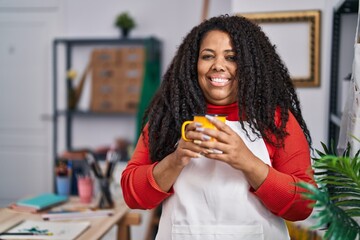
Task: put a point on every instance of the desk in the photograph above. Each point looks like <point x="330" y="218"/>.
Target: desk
<point x="99" y="225"/>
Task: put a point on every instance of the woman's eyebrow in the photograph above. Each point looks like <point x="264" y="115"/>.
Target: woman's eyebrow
<point x="229" y="51"/>
<point x="210" y="50"/>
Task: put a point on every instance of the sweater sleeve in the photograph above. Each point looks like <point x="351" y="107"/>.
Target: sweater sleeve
<point x="139" y="187"/>
<point x="290" y="164"/>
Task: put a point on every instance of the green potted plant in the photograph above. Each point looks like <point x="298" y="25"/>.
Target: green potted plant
<point x="125" y="23"/>
<point x="338" y="194"/>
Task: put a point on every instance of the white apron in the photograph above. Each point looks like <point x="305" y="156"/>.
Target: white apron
<point x="212" y="201"/>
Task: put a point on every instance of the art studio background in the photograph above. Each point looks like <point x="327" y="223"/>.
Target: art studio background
<point x="28" y="32"/>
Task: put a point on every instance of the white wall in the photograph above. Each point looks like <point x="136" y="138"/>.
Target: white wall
<point x="168" y="20"/>
<point x="314" y="101"/>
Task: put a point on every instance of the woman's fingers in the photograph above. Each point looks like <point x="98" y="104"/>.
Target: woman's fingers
<point x="222" y="144"/>
<point x="221" y="126"/>
<point x="191" y="149"/>
<point x="214" y="135"/>
<point x="190" y="130"/>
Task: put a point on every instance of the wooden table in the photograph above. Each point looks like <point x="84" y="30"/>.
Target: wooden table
<point x="122" y="217"/>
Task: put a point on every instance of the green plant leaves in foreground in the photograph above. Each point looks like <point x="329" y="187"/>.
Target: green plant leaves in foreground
<point x="338" y="194"/>
<point x="339" y="224"/>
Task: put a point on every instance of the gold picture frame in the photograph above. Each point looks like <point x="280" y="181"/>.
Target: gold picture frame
<point x="302" y="29"/>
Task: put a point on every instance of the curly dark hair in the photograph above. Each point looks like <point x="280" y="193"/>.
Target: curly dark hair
<point x="264" y="87"/>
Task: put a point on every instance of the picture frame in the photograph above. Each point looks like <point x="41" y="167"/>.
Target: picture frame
<point x="293" y="33"/>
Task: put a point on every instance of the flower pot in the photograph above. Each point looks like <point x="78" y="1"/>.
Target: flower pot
<point x="125" y="32"/>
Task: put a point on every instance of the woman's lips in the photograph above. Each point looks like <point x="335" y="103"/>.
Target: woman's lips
<point x="219" y="82"/>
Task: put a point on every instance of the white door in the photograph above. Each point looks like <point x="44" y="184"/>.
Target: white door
<point x="27" y="29"/>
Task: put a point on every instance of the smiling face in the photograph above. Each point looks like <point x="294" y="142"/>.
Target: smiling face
<point x="216" y="68"/>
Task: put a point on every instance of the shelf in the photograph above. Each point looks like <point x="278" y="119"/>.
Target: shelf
<point x="99" y="41"/>
<point x="347" y="6"/>
<point x="69" y="46"/>
<point x="94" y="114"/>
<point x="153" y="47"/>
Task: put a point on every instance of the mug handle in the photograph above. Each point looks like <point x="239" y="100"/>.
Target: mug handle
<point x="183" y="130"/>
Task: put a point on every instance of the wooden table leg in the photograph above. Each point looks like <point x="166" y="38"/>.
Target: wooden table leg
<point x="125" y="223"/>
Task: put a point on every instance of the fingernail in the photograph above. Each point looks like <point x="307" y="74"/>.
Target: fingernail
<point x="209" y="151"/>
<point x="209" y="117"/>
<point x="199" y="129"/>
<point x="205" y="137"/>
<point x="198" y="142"/>
<point x="217" y="151"/>
<point x="197" y="124"/>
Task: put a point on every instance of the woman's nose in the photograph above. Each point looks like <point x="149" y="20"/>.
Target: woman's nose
<point x="218" y="65"/>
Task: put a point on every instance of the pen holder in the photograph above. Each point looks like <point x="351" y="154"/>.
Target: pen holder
<point x="85" y="188"/>
<point x="105" y="200"/>
<point x="63" y="185"/>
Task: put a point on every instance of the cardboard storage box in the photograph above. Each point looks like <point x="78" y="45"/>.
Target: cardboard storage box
<point x="106" y="57"/>
<point x="105" y="73"/>
<point x="117" y="75"/>
<point x="132" y="79"/>
<point x="107" y="103"/>
<point x="129" y="106"/>
<point x="106" y="89"/>
<point x="116" y="89"/>
<point x="114" y="103"/>
<point x="132" y="55"/>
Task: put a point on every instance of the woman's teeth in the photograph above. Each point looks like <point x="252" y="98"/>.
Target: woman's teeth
<point x="219" y="80"/>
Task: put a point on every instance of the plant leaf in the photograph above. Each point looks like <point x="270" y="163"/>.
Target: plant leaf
<point x="338" y="194"/>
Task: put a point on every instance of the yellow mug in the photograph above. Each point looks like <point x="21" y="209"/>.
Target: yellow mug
<point x="205" y="123"/>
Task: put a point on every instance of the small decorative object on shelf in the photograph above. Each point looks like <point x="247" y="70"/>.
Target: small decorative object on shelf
<point x="71" y="75"/>
<point x="125" y="23"/>
<point x="74" y="92"/>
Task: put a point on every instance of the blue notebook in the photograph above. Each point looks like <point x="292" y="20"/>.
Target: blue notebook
<point x="42" y="201"/>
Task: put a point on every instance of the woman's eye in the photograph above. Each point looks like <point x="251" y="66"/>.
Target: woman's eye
<point x="231" y="58"/>
<point x="205" y="57"/>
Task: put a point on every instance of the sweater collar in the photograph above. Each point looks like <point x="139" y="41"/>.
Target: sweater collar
<point x="230" y="110"/>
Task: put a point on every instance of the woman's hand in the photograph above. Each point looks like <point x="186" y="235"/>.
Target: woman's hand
<point x="228" y="147"/>
<point x="190" y="149"/>
<point x="167" y="170"/>
<point x="231" y="149"/>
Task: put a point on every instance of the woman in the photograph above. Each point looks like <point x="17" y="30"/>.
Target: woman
<point x="226" y="65"/>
